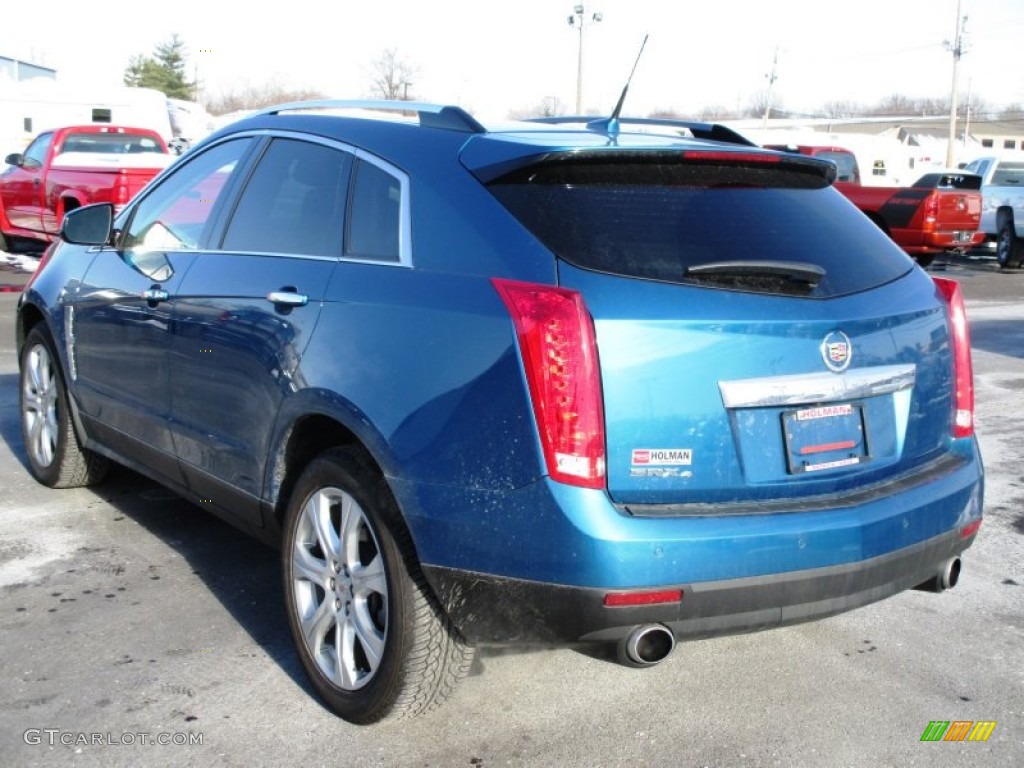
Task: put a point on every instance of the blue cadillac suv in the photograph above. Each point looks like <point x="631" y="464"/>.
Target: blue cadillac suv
<point x="555" y="382"/>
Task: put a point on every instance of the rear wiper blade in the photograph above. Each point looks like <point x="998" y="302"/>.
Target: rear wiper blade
<point x="792" y="271"/>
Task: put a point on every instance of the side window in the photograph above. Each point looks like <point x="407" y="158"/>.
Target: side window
<point x="375" y="214"/>
<point x="294" y="202"/>
<point x="172" y="216"/>
<point x="35" y="155"/>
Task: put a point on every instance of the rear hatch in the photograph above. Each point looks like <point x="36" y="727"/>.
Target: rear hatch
<point x="758" y="337"/>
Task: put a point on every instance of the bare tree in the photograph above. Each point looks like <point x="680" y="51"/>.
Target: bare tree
<point x="842" y="109"/>
<point x="391" y="76"/>
<point x="716" y="112"/>
<point x="256" y="97"/>
<point x="1013" y="111"/>
<point x="758" y="104"/>
<point x="549" y="106"/>
<point x="895" y="105"/>
<point x="663" y="113"/>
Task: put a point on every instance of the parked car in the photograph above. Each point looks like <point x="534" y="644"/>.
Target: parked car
<point x="1002" y="218"/>
<point x="67" y="168"/>
<point x="535" y="384"/>
<point x="937" y="214"/>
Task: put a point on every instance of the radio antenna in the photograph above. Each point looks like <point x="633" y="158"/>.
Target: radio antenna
<point x="610" y="125"/>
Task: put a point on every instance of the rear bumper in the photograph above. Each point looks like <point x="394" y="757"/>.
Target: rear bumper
<point x="494" y="610"/>
<point x="939" y="242"/>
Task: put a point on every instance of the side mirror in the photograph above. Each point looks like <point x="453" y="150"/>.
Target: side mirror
<point x="15" y="158"/>
<point x="88" y="225"/>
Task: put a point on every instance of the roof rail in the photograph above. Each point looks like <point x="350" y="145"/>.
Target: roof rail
<point x="430" y="115"/>
<point x="710" y="131"/>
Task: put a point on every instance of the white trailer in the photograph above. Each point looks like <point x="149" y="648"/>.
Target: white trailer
<point x="28" y="107"/>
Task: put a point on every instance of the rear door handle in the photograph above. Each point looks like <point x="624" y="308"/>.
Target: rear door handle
<point x="288" y="298"/>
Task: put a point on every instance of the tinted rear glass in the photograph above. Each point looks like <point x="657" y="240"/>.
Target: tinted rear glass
<point x="657" y="218"/>
<point x="846" y="164"/>
<point x="1009" y="173"/>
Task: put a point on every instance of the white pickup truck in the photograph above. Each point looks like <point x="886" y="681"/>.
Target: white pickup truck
<point x="1002" y="208"/>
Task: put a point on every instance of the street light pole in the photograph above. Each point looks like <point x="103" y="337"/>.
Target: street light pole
<point x="771" y="78"/>
<point x="577" y="20"/>
<point x="957" y="49"/>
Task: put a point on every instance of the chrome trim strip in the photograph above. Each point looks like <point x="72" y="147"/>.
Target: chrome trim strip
<point x="773" y="391"/>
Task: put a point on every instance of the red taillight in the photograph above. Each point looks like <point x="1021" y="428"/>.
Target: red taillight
<point x="623" y="599"/>
<point x="120" y="193"/>
<point x="559" y="351"/>
<point x="931" y="209"/>
<point x="767" y="158"/>
<point x="963" y="421"/>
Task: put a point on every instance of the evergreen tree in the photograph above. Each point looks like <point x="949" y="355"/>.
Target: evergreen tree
<point x="164" y="71"/>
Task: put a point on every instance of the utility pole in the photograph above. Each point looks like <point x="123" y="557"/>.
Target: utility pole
<point x="967" y="113"/>
<point x="956" y="47"/>
<point x="771" y="77"/>
<point x="577" y="20"/>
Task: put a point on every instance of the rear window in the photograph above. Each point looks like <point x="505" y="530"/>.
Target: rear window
<point x="846" y="164"/>
<point x="1009" y="174"/>
<point x="771" y="227"/>
<point x="110" y="143"/>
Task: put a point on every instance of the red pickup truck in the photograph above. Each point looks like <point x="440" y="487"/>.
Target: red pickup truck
<point x="939" y="213"/>
<point x="69" y="167"/>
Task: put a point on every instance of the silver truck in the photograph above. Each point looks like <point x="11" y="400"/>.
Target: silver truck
<point x="1002" y="211"/>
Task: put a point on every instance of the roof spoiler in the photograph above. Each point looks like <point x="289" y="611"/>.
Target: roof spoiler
<point x="708" y="131"/>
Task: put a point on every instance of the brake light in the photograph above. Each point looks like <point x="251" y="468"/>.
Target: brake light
<point x="767" y="158"/>
<point x="963" y="372"/>
<point x="559" y="353"/>
<point x="931" y="209"/>
<point x="120" y="191"/>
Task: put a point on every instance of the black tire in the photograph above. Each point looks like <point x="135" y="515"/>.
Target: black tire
<point x="1009" y="247"/>
<point x="925" y="260"/>
<point x="370" y="635"/>
<point x="55" y="454"/>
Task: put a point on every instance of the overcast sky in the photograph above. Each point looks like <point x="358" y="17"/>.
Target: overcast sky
<point x="492" y="57"/>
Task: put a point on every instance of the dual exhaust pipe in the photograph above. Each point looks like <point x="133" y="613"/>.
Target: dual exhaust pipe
<point x="650" y="644"/>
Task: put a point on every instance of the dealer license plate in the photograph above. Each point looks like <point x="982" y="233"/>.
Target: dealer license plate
<point x="825" y="437"/>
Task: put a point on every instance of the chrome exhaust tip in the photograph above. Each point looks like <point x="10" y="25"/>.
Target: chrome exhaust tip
<point x="646" y="645"/>
<point x="946" y="578"/>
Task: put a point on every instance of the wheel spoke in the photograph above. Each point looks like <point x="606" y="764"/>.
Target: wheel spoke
<point x="369" y="579"/>
<point x="370" y="638"/>
<point x="37" y="364"/>
<point x="318" y="510"/>
<point x="347" y="675"/>
<point x="316" y="627"/>
<point x="307" y="567"/>
<point x="352" y="522"/>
